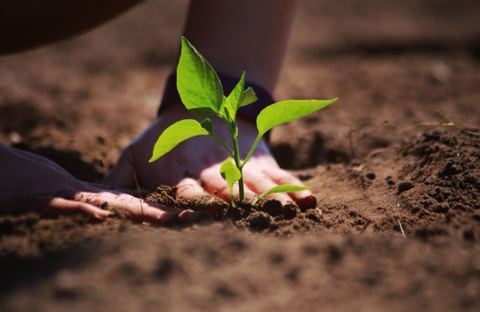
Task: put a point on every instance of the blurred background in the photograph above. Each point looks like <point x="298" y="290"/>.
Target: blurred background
<point x="391" y="63"/>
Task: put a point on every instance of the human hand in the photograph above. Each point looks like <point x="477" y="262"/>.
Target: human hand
<point x="200" y="158"/>
<point x="29" y="181"/>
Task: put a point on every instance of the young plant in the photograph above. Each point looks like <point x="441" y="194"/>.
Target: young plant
<point x="202" y="94"/>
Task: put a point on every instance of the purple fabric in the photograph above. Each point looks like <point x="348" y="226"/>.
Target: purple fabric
<point x="249" y="112"/>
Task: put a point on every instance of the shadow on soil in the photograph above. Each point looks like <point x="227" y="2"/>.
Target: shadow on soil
<point x="20" y="273"/>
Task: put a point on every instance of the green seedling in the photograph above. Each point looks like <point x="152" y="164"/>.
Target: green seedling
<point x="202" y="94"/>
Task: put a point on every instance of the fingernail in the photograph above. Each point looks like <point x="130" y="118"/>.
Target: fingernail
<point x="307" y="202"/>
<point x="102" y="216"/>
<point x="187" y="216"/>
<point x="302" y="194"/>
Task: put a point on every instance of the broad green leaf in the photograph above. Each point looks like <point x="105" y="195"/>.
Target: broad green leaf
<point x="286" y="111"/>
<point x="175" y="134"/>
<point x="248" y="97"/>
<point x="284" y="188"/>
<point x="232" y="102"/>
<point x="230" y="173"/>
<point x="197" y="83"/>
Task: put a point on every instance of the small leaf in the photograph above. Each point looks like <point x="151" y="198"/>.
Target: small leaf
<point x="230" y="173"/>
<point x="197" y="83"/>
<point x="232" y="102"/>
<point x="248" y="97"/>
<point x="286" y="111"/>
<point x="284" y="188"/>
<point x="175" y="134"/>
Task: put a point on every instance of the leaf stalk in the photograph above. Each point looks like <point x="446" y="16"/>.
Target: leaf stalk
<point x="238" y="162"/>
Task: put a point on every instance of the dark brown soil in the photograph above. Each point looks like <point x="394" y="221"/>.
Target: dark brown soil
<point x="397" y="224"/>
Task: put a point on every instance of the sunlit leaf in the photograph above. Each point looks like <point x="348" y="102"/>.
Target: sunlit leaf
<point x="230" y="173"/>
<point x="248" y="97"/>
<point x="286" y="111"/>
<point x="197" y="83"/>
<point x="284" y="188"/>
<point x="232" y="102"/>
<point x="175" y="134"/>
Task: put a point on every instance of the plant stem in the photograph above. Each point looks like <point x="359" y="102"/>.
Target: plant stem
<point x="238" y="162"/>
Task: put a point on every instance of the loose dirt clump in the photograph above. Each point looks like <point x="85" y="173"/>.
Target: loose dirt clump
<point x="267" y="216"/>
<point x="434" y="193"/>
<point x="442" y="182"/>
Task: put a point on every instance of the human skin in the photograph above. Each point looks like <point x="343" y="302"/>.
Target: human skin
<point x="253" y="37"/>
<point x="26" y="24"/>
<point x="32" y="181"/>
<point x="29" y="180"/>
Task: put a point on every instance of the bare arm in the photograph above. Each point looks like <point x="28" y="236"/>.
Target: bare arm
<point x="26" y="24"/>
<point x="236" y="35"/>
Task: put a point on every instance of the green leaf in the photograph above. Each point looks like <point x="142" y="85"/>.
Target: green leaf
<point x="286" y="111"/>
<point x="248" y="97"/>
<point x="232" y="102"/>
<point x="175" y="134"/>
<point x="230" y="173"/>
<point x="284" y="188"/>
<point x="197" y="83"/>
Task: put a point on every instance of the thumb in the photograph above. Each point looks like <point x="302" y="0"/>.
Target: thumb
<point x="123" y="175"/>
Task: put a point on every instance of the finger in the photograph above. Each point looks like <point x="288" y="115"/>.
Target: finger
<point x="189" y="188"/>
<point x="260" y="183"/>
<point x="215" y="184"/>
<point x="190" y="216"/>
<point x="123" y="174"/>
<point x="248" y="194"/>
<point x="136" y="208"/>
<point x="61" y="205"/>
<point x="205" y="203"/>
<point x="150" y="211"/>
<point x="305" y="198"/>
<point x="145" y="212"/>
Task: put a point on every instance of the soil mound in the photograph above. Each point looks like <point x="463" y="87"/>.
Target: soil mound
<point x="267" y="216"/>
<point x="442" y="182"/>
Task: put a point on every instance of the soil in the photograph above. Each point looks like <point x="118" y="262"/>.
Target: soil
<point x="397" y="222"/>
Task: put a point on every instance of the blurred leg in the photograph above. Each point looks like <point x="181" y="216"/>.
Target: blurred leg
<point x="27" y="24"/>
<point x="237" y="35"/>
